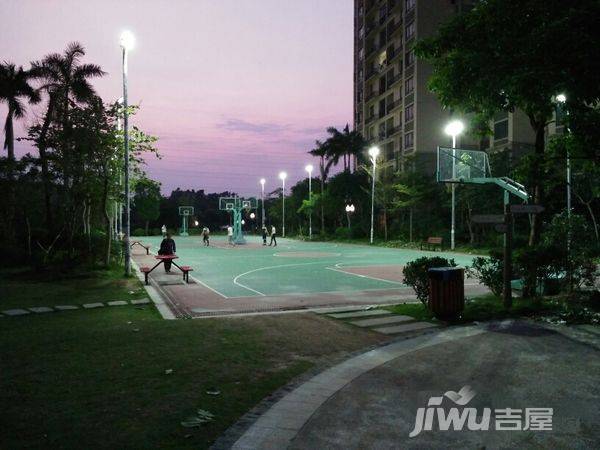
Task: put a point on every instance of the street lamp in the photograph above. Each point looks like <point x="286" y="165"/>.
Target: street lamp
<point x="453" y="129"/>
<point x="349" y="209"/>
<point x="262" y="200"/>
<point x="127" y="43"/>
<point x="562" y="99"/>
<point x="373" y="153"/>
<point x="309" y="169"/>
<point x="282" y="177"/>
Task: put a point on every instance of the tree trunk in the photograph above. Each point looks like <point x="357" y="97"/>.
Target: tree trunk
<point x="385" y="227"/>
<point x="469" y="225"/>
<point x="9" y="144"/>
<point x="593" y="217"/>
<point x="42" y="146"/>
<point x="410" y="225"/>
<point x="322" y="193"/>
<point x="147" y="225"/>
<point x="9" y="140"/>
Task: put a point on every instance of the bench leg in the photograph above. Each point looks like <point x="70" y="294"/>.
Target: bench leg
<point x="147" y="250"/>
<point x="146" y="278"/>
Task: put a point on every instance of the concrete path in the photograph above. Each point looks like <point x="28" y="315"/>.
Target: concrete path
<point x="372" y="400"/>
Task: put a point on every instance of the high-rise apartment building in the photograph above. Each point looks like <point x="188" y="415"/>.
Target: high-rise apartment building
<point x="393" y="108"/>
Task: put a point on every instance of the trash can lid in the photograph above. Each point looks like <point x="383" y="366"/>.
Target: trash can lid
<point x="444" y="269"/>
<point x="445" y="273"/>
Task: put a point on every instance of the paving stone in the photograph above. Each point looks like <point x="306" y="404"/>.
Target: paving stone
<point x="66" y="307"/>
<point x="41" y="309"/>
<point x="93" y="305"/>
<point x="141" y="301"/>
<point x="406" y="327"/>
<point x="367" y="313"/>
<point x="15" y="312"/>
<point x="117" y="303"/>
<point x="382" y="321"/>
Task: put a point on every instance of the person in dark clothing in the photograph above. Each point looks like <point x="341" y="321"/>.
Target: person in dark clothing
<point x="167" y="247"/>
<point x="264" y="235"/>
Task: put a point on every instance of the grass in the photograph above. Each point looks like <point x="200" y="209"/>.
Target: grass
<point x="487" y="307"/>
<point x="23" y="288"/>
<point x="98" y="378"/>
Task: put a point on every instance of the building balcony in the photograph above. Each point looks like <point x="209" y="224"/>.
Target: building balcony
<point x="393" y="80"/>
<point x="393" y="105"/>
<point x="392" y="131"/>
<point x="370" y="96"/>
<point x="371" y="118"/>
<point x="370" y="73"/>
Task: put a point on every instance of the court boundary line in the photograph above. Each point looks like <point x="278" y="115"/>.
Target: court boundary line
<point x="200" y="282"/>
<point x="324" y="292"/>
<point x="265" y="268"/>
<point x="339" y="269"/>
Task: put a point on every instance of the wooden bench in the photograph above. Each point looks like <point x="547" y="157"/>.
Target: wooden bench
<point x="186" y="273"/>
<point x="432" y="243"/>
<point x="147" y="247"/>
<point x="145" y="270"/>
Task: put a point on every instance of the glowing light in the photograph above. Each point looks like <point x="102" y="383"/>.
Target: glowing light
<point x="127" y="40"/>
<point x="454" y="128"/>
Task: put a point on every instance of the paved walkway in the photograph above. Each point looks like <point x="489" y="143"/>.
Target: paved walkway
<point x="58" y="308"/>
<point x="371" y="400"/>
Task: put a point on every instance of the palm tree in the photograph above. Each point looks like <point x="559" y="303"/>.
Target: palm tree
<point x="65" y="80"/>
<point x="345" y="144"/>
<point x="320" y="151"/>
<point x="14" y="86"/>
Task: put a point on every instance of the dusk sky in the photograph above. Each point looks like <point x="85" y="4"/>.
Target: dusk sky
<point x="235" y="90"/>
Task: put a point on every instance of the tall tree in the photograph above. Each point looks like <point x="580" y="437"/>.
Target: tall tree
<point x="65" y="80"/>
<point x="505" y="55"/>
<point x="14" y="88"/>
<point x="147" y="200"/>
<point x="345" y="144"/>
<point x="320" y="151"/>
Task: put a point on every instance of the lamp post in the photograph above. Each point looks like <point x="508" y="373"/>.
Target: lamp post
<point x="453" y="129"/>
<point x="562" y="99"/>
<point x="127" y="43"/>
<point x="309" y="169"/>
<point x="282" y="177"/>
<point x="349" y="209"/>
<point x="119" y="210"/>
<point x="262" y="201"/>
<point x="373" y="153"/>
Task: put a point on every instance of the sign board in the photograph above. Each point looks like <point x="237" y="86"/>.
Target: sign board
<point x="526" y="209"/>
<point x="488" y="218"/>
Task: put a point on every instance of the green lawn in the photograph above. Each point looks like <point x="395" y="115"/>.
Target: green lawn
<point x="21" y="288"/>
<point x="96" y="378"/>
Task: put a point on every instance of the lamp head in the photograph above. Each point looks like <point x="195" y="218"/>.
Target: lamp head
<point x="282" y="175"/>
<point x="127" y="40"/>
<point x="561" y="98"/>
<point x="374" y="152"/>
<point x="263" y="181"/>
<point x="309" y="168"/>
<point x="454" y="128"/>
<point x="252" y="215"/>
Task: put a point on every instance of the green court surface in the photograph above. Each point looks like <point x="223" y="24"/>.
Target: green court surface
<point x="293" y="267"/>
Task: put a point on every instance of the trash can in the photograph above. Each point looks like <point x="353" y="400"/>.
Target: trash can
<point x="446" y="291"/>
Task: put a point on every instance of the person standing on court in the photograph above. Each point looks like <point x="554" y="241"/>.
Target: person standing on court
<point x="273" y="236"/>
<point x="264" y="235"/>
<point x="163" y="230"/>
<point x="167" y="247"/>
<point x="230" y="235"/>
<point x="206" y="236"/>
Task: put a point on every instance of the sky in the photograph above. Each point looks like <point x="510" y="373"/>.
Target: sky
<point x="235" y="90"/>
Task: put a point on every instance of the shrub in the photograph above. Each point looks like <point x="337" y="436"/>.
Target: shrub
<point x="139" y="232"/>
<point x="343" y="233"/>
<point x="489" y="271"/>
<point x="416" y="276"/>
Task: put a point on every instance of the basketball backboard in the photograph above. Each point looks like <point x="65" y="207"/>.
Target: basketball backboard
<point x="456" y="165"/>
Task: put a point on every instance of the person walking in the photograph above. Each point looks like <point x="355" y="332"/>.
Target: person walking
<point x="264" y="235"/>
<point x="167" y="247"/>
<point x="230" y="235"/>
<point x="206" y="236"/>
<point x="273" y="236"/>
<point x="163" y="230"/>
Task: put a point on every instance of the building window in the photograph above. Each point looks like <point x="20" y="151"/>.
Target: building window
<point x="409" y="32"/>
<point x="409" y="86"/>
<point x="409" y="58"/>
<point x="409" y="140"/>
<point x="409" y="4"/>
<point x="361" y="33"/>
<point x="501" y="130"/>
<point x="409" y="113"/>
<point x="361" y="54"/>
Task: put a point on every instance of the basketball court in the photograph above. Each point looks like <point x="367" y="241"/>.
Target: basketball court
<point x="294" y="275"/>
